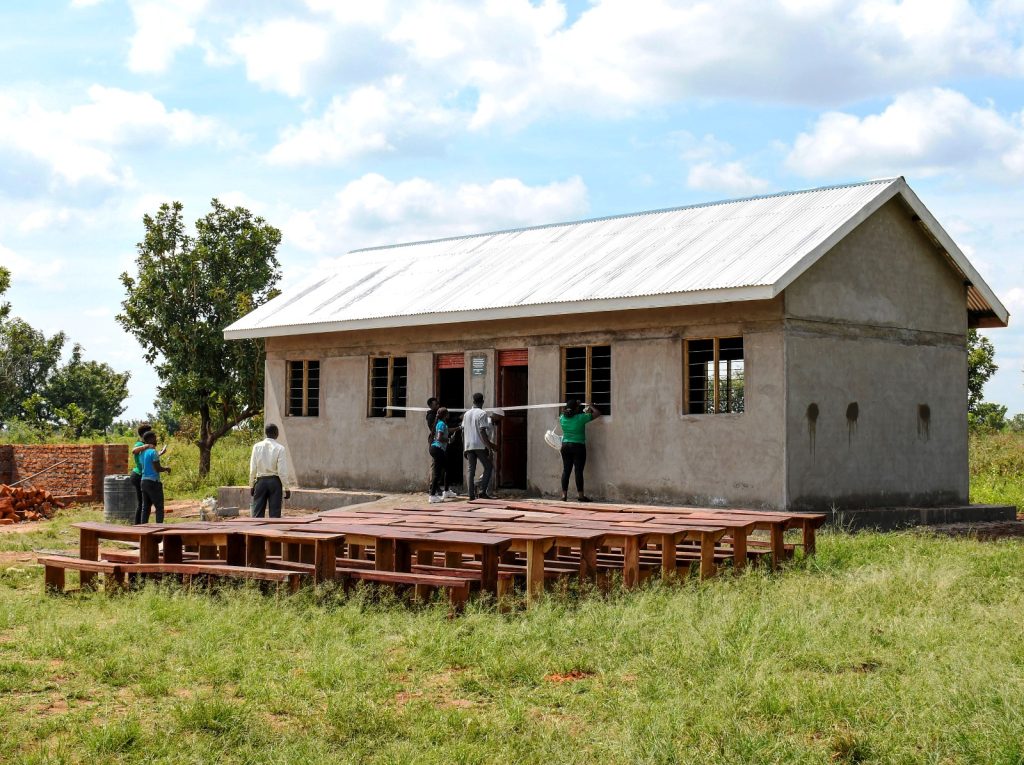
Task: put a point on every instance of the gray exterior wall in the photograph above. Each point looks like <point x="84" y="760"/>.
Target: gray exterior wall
<point x="646" y="450"/>
<point x="855" y="391"/>
<point x="877" y="373"/>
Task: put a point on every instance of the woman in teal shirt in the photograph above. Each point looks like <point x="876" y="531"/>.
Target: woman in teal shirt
<point x="574" y="444"/>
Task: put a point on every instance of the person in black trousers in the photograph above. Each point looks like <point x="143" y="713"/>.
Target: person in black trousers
<point x="574" y="421"/>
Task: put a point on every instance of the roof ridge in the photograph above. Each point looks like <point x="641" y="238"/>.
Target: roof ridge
<point x="636" y="214"/>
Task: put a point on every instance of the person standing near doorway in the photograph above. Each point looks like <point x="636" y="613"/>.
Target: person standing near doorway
<point x="439" y="453"/>
<point x="432" y="405"/>
<point x="270" y="474"/>
<point x="477" y="445"/>
<point x="574" y="444"/>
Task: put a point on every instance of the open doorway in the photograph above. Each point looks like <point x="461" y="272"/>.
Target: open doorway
<point x="513" y="390"/>
<point x="450" y="384"/>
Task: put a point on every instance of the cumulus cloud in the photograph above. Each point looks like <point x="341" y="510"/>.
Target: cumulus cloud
<point x="46" y="149"/>
<point x="162" y="28"/>
<point x="730" y="177"/>
<point x="37" y="271"/>
<point x="369" y="120"/>
<point x="376" y="210"/>
<point x="927" y="132"/>
<point x="509" y="62"/>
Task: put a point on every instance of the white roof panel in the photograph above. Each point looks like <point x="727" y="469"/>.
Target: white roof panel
<point x="739" y="250"/>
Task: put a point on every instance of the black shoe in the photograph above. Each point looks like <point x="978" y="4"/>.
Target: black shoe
<point x="583" y="499"/>
<point x="485" y="495"/>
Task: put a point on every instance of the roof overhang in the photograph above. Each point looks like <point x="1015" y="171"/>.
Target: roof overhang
<point x="670" y="300"/>
<point x="984" y="309"/>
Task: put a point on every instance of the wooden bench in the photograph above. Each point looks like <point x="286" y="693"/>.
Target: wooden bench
<point x="458" y="587"/>
<point x="55" y="566"/>
<point x="505" y="578"/>
<point x="292" y="578"/>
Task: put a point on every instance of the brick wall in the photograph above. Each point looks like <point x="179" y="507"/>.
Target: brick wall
<point x="81" y="475"/>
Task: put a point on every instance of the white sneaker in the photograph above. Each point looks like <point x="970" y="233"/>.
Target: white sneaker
<point x="434" y="498"/>
<point x="449" y="494"/>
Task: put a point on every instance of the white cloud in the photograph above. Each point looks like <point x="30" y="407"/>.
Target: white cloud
<point x="369" y="120"/>
<point x="279" y="54"/>
<point x="731" y="177"/>
<point x="84" y="3"/>
<point x="376" y="210"/>
<point x="77" y="147"/>
<point x="162" y="28"/>
<point x="41" y="273"/>
<point x="927" y="132"/>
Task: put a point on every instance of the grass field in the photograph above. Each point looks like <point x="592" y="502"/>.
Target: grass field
<point x="884" y="648"/>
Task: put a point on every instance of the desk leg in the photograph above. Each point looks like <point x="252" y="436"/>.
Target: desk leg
<point x="668" y="557"/>
<point x="403" y="556"/>
<point x="778" y="545"/>
<point x="707" y="556"/>
<point x="631" y="562"/>
<point x="739" y="549"/>
<point x="423" y="558"/>
<point x="534" y="568"/>
<point x="235" y="553"/>
<point x="489" y="570"/>
<point x="453" y="560"/>
<point x="588" y="560"/>
<point x="149" y="549"/>
<point x="88" y="549"/>
<point x="256" y="552"/>
<point x="325" y="560"/>
<point x="809" y="539"/>
<point x="291" y="551"/>
<point x="384" y="558"/>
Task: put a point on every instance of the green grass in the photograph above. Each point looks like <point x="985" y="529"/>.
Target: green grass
<point x="229" y="466"/>
<point x="883" y="648"/>
<point x="997" y="468"/>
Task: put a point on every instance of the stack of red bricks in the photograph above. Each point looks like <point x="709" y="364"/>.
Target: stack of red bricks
<point x="18" y="504"/>
<point x="72" y="471"/>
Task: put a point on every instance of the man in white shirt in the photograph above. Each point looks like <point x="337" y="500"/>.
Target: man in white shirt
<point x="270" y="472"/>
<point x="477" y="443"/>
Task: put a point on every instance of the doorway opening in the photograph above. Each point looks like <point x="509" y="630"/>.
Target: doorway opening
<point x="513" y="390"/>
<point x="450" y="387"/>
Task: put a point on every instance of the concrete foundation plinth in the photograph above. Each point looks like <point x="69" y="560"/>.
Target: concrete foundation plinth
<point x="307" y="499"/>
<point x="888" y="518"/>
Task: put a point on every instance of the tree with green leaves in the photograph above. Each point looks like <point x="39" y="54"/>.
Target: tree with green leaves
<point x="84" y="396"/>
<point x="187" y="289"/>
<point x="79" y="396"/>
<point x="981" y="365"/>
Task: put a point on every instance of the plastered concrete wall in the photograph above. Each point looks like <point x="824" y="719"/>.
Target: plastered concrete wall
<point x="647" y="449"/>
<point x="877" y="373"/>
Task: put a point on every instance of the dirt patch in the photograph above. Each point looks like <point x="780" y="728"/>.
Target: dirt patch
<point x="987" y="531"/>
<point x="569" y="677"/>
<point x="17" y="558"/>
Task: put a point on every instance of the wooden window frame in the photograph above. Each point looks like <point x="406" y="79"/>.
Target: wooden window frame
<point x="588" y="379"/>
<point x="305" y="386"/>
<point x="715" y="340"/>
<point x="390" y="387"/>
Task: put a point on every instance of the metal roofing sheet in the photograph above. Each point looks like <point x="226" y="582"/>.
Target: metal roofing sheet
<point x="735" y="245"/>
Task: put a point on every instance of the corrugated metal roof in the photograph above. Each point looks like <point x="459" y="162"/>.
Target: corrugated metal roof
<point x="736" y="250"/>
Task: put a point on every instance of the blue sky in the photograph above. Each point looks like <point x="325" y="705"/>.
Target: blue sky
<point x="351" y="124"/>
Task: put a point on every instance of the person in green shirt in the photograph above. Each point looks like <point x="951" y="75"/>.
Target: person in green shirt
<point x="574" y="444"/>
<point x="136" y="474"/>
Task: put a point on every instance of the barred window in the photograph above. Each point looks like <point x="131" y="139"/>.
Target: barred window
<point x="587" y="375"/>
<point x="387" y="385"/>
<point x="714" y="376"/>
<point x="303" y="388"/>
